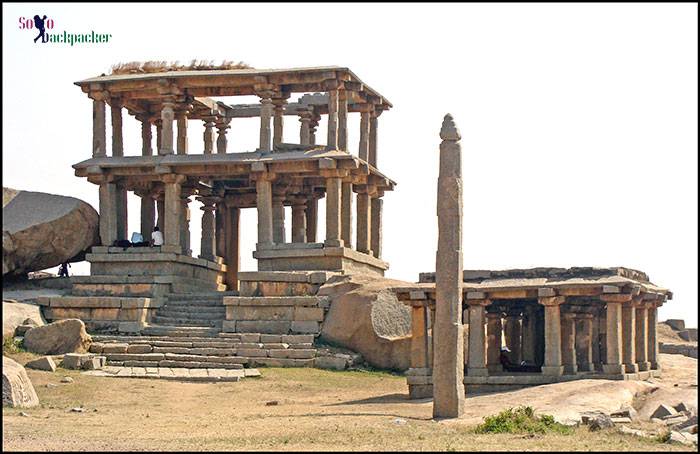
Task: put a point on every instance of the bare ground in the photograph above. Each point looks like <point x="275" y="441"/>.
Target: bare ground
<point x="316" y="410"/>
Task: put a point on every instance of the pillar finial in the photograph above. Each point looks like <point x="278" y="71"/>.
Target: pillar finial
<point x="449" y="130"/>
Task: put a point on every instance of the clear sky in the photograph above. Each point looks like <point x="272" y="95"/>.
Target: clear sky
<point x="578" y="121"/>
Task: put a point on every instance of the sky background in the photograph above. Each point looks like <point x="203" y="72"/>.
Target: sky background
<point x="578" y="121"/>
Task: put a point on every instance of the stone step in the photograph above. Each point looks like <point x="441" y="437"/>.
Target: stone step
<point x="195" y="303"/>
<point x="192" y="315"/>
<point x="179" y="331"/>
<point x="177" y="373"/>
<point x="261" y="301"/>
<point x="192" y="322"/>
<point x="220" y="309"/>
<point x="252" y="357"/>
<point x="222" y="339"/>
<point x="208" y="296"/>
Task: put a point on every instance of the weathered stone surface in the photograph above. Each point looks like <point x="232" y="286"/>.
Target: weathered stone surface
<point x="42" y="230"/>
<point x="75" y="360"/>
<point x="676" y="323"/>
<point x="63" y="336"/>
<point x="17" y="390"/>
<point x="15" y="314"/>
<point x="597" y="421"/>
<point x="365" y="316"/>
<point x="43" y="363"/>
<point x="664" y="411"/>
<point x="690" y="334"/>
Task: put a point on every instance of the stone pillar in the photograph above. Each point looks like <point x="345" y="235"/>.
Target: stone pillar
<point x="494" y="332"/>
<point x="305" y="128"/>
<point x="147" y="216"/>
<point x="333" y="198"/>
<point x="299" y="222"/>
<point x="652" y="343"/>
<point x="160" y="206"/>
<point x="641" y="332"/>
<point x="263" y="188"/>
<point x="629" y="356"/>
<point x="220" y="226"/>
<point x="99" y="134"/>
<point x="209" y="125"/>
<point x="373" y="125"/>
<point x="552" y="335"/>
<point x="595" y="342"/>
<point x="221" y="141"/>
<point x="167" y="116"/>
<point x="185" y="225"/>
<point x="146" y="137"/>
<point x="279" y="233"/>
<point x="419" y="338"/>
<point x="265" y="115"/>
<point x="278" y="120"/>
<point x="181" y="116"/>
<point x="376" y="227"/>
<point x="173" y="208"/>
<point x="477" y="338"/>
<point x="332" y="142"/>
<point x="208" y="241"/>
<point x="613" y="335"/>
<point x="108" y="213"/>
<point x="363" y="149"/>
<point x="584" y="343"/>
<point x="343" y="120"/>
<point x="528" y="335"/>
<point x="568" y="343"/>
<point x="315" y="119"/>
<point x="364" y="221"/>
<point x="448" y="363"/>
<point x="311" y="219"/>
<point x="346" y="216"/>
<point x="117" y="134"/>
<point x="513" y="334"/>
<point x="233" y="255"/>
<point x="122" y="213"/>
<point x="159" y="134"/>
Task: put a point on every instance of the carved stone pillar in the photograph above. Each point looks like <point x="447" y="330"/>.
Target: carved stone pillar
<point x="278" y="219"/>
<point x="208" y="240"/>
<point x="185" y="225"/>
<point x="494" y="331"/>
<point x="299" y="222"/>
<point x="364" y="217"/>
<point x="363" y="151"/>
<point x="333" y="204"/>
<point x="613" y="335"/>
<point x="181" y="116"/>
<point x="173" y="208"/>
<point x="584" y="343"/>
<point x="513" y="335"/>
<point x="263" y="187"/>
<point x="147" y="215"/>
<point x="346" y="216"/>
<point x="221" y="141"/>
<point x="552" y="335"/>
<point x="629" y="356"/>
<point x="278" y="121"/>
<point x="376" y="229"/>
<point x="373" y="125"/>
<point x="342" y="120"/>
<point x="305" y="128"/>
<point x="209" y="125"/>
<point x="641" y="335"/>
<point x="332" y="142"/>
<point x="99" y="133"/>
<point x="652" y="343"/>
<point x="167" y="116"/>
<point x="568" y="343"/>
<point x="477" y="338"/>
<point x="117" y="133"/>
<point x="265" y="116"/>
<point x="108" y="213"/>
<point x="311" y="218"/>
<point x="146" y="136"/>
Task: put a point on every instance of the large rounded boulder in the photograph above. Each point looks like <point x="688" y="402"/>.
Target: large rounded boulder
<point x="15" y="314"/>
<point x="42" y="230"/>
<point x="17" y="390"/>
<point x="57" y="338"/>
<point x="365" y="316"/>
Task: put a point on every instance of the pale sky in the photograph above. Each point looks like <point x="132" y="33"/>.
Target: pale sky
<point x="578" y="121"/>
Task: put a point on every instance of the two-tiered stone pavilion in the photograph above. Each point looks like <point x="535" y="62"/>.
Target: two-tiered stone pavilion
<point x="165" y="175"/>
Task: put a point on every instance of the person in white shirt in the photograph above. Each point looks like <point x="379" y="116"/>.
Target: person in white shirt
<point x="156" y="237"/>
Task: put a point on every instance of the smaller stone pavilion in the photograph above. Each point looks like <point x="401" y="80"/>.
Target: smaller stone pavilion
<point x="567" y="323"/>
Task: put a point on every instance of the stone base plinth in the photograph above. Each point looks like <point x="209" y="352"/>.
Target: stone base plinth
<point x="570" y="369"/>
<point x="586" y="367"/>
<point x="644" y="366"/>
<point x="631" y="368"/>
<point x="281" y="283"/>
<point x="316" y="257"/>
<point x="613" y="369"/>
<point x="553" y="370"/>
<point x="275" y="314"/>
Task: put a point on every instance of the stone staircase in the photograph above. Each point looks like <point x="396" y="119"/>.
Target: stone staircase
<point x="196" y="310"/>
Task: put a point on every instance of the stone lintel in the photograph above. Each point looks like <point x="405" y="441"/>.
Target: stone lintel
<point x="616" y="298"/>
<point x="551" y="300"/>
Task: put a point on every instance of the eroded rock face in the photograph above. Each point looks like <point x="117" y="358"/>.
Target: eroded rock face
<point x="15" y="314"/>
<point x="58" y="338"/>
<point x="365" y="316"/>
<point x="17" y="390"/>
<point x="42" y="230"/>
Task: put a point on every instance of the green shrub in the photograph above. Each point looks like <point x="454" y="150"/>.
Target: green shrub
<point x="521" y="420"/>
<point x="10" y="345"/>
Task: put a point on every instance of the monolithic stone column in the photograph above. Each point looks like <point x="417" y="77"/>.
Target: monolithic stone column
<point x="332" y="142"/>
<point x="513" y="335"/>
<point x="148" y="208"/>
<point x="108" y="213"/>
<point x="333" y="199"/>
<point x="263" y="188"/>
<point x="568" y="343"/>
<point x="477" y="338"/>
<point x="641" y="336"/>
<point x="494" y="332"/>
<point x="419" y="338"/>
<point x="233" y="254"/>
<point x="527" y="349"/>
<point x="552" y="335"/>
<point x="448" y="363"/>
<point x="597" y="356"/>
<point x="220" y="226"/>
<point x="311" y="218"/>
<point x="209" y="125"/>
<point x="208" y="241"/>
<point x="146" y="137"/>
<point x="185" y="225"/>
<point x="181" y="116"/>
<point x="279" y="233"/>
<point x="613" y="334"/>
<point x="304" y="129"/>
<point x="159" y="134"/>
<point x="160" y="207"/>
<point x="315" y="119"/>
<point x="278" y="121"/>
<point x="173" y="208"/>
<point x="584" y="343"/>
<point x="373" y="125"/>
<point x="265" y="115"/>
<point x="652" y="344"/>
<point x="299" y="222"/>
<point x="99" y="134"/>
<point x="364" y="220"/>
<point x="363" y="149"/>
<point x="342" y="120"/>
<point x="629" y="356"/>
<point x="122" y="213"/>
<point x="117" y="134"/>
<point x="167" y="116"/>
<point x="221" y="141"/>
<point x="376" y="230"/>
<point x="346" y="216"/>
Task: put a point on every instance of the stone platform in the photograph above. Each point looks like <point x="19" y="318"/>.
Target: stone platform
<point x="316" y="256"/>
<point x="176" y="373"/>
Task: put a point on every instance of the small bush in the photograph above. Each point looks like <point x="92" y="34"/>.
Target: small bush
<point x="663" y="437"/>
<point x="521" y="420"/>
<point x="11" y="345"/>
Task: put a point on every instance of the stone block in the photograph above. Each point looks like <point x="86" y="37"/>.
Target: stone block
<point x="250" y="337"/>
<point x="260" y="313"/>
<point x="308" y="314"/>
<point x="305" y="327"/>
<point x="105" y="313"/>
<point x="292" y="353"/>
<point x="75" y="360"/>
<point x="676" y="323"/>
<point x="139" y="348"/>
<point x="275" y="346"/>
<point x="92" y="364"/>
<point x="130" y="327"/>
<point x="298" y="338"/>
<point x="690" y="335"/>
<point x="114" y="348"/>
<point x="664" y="411"/>
<point x="96" y="347"/>
<point x="252" y="352"/>
<point x="264" y="326"/>
<point x="270" y="338"/>
<point x="330" y="362"/>
<point x="43" y="363"/>
<point x="281" y="362"/>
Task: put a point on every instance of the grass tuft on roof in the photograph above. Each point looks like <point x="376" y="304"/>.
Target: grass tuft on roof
<point x="156" y="66"/>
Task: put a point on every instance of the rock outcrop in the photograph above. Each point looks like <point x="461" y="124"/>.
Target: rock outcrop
<point x="17" y="390"/>
<point x="15" y="314"/>
<point x="365" y="316"/>
<point x="42" y="230"/>
<point x="58" y="338"/>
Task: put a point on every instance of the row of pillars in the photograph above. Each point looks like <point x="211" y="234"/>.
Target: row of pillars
<point x="272" y="110"/>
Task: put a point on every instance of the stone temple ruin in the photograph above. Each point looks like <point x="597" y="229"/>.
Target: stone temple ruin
<point x="165" y="308"/>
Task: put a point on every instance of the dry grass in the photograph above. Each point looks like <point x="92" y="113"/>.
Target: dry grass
<point x="153" y="66"/>
<point x="317" y="410"/>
